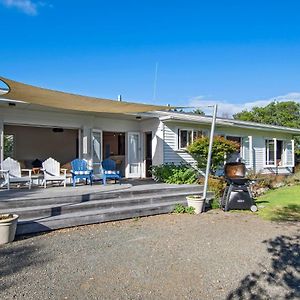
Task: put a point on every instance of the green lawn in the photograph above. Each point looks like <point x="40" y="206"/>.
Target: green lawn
<point x="282" y="204"/>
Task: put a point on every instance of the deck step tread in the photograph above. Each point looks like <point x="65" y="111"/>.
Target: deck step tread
<point x="100" y="202"/>
<point x="87" y="213"/>
<point x="94" y="216"/>
<point x="5" y="198"/>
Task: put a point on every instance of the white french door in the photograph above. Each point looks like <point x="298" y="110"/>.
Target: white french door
<point x="247" y="151"/>
<point x="133" y="169"/>
<point x="97" y="150"/>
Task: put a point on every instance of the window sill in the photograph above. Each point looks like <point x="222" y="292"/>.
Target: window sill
<point x="277" y="167"/>
<point x="181" y="150"/>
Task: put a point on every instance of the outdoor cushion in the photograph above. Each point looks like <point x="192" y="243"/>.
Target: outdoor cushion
<point x="111" y="172"/>
<point x="81" y="170"/>
<point x="88" y="172"/>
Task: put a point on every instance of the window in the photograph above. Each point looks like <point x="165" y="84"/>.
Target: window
<point x="289" y="153"/>
<point x="235" y="156"/>
<point x="279" y="153"/>
<point x="187" y="136"/>
<point x="245" y="153"/>
<point x="270" y="152"/>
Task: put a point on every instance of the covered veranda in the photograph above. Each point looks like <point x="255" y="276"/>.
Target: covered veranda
<point x="42" y="123"/>
<point x="57" y="207"/>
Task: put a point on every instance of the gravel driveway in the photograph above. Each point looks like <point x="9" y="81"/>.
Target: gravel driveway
<point x="216" y="255"/>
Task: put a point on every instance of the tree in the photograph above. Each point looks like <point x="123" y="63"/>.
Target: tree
<point x="198" y="111"/>
<point x="221" y="148"/>
<point x="276" y="113"/>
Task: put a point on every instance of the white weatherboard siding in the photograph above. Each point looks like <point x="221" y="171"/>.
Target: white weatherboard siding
<point x="174" y="155"/>
<point x="259" y="155"/>
<point x="171" y="152"/>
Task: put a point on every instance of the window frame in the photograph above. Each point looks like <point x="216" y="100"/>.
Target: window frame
<point x="284" y="164"/>
<point x="193" y="131"/>
<point x="243" y="148"/>
<point x="267" y="152"/>
<point x="285" y="142"/>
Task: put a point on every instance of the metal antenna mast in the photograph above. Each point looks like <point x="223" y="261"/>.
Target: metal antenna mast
<point x="155" y="82"/>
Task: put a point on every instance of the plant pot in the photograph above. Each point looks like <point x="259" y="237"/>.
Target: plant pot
<point x="8" y="228"/>
<point x="197" y="202"/>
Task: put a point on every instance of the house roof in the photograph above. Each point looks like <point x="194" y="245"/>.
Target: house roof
<point x="50" y="98"/>
<point x="21" y="92"/>
<point x="192" y="118"/>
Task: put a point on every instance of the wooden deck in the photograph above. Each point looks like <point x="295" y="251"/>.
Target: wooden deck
<point x="57" y="207"/>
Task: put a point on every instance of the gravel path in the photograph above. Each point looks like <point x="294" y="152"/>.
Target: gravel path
<point x="213" y="256"/>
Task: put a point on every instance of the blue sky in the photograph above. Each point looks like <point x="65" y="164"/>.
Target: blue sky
<point x="236" y="53"/>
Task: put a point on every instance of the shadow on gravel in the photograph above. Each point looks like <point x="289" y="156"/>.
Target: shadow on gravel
<point x="14" y="260"/>
<point x="282" y="281"/>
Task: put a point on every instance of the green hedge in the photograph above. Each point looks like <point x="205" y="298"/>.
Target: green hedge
<point x="171" y="173"/>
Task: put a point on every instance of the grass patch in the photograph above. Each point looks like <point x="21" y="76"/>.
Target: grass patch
<point x="215" y="204"/>
<point x="282" y="204"/>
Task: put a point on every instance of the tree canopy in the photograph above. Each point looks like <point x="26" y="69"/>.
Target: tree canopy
<point x="221" y="147"/>
<point x="198" y="111"/>
<point x="276" y="113"/>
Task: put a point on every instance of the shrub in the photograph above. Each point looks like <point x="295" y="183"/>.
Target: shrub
<point x="221" y="147"/>
<point x="181" y="209"/>
<point x="271" y="181"/>
<point x="190" y="210"/>
<point x="215" y="204"/>
<point x="216" y="185"/>
<point x="264" y="182"/>
<point x="293" y="179"/>
<point x="297" y="168"/>
<point x="171" y="173"/>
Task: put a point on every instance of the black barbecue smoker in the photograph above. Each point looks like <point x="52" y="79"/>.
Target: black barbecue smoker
<point x="237" y="194"/>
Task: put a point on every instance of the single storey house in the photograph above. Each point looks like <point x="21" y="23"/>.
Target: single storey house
<point x="37" y="123"/>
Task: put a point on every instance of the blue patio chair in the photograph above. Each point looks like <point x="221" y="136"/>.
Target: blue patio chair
<point x="110" y="171"/>
<point x="80" y="170"/>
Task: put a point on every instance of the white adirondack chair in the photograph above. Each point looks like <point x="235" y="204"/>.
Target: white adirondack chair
<point x="53" y="172"/>
<point x="12" y="173"/>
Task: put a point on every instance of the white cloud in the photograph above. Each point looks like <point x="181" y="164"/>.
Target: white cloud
<point x="28" y="7"/>
<point x="227" y="109"/>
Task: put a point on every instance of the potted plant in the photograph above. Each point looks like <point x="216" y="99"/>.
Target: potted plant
<point x="8" y="226"/>
<point x="197" y="202"/>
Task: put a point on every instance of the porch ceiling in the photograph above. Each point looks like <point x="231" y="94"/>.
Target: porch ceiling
<point x="50" y="98"/>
